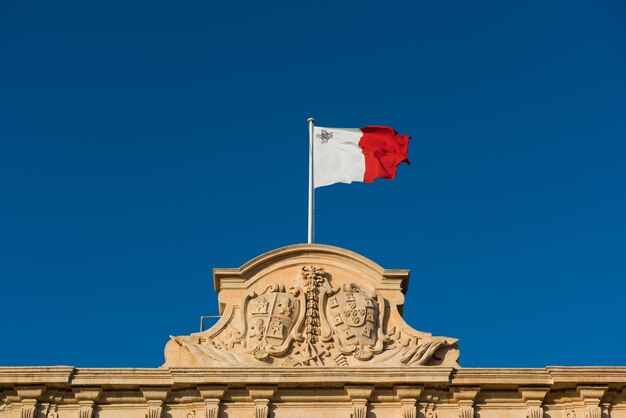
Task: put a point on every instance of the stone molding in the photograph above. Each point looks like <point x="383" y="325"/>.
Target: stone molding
<point x="14" y="378"/>
<point x="235" y="278"/>
<point x="428" y="392"/>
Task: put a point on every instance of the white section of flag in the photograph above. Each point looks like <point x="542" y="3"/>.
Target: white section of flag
<point x="337" y="157"/>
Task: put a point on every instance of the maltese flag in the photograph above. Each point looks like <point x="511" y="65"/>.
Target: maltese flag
<point x="346" y="155"/>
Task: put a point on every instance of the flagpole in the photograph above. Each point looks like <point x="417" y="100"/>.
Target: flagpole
<point x="311" y="237"/>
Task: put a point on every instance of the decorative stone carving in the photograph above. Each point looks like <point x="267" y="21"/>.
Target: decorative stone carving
<point x="466" y="409"/>
<point x="293" y="314"/>
<point x="535" y="411"/>
<point x="29" y="409"/>
<point x="85" y="409"/>
<point x="408" y="399"/>
<point x="430" y="410"/>
<point x="29" y="397"/>
<point x="359" y="395"/>
<point x="359" y="408"/>
<point x="155" y="398"/>
<point x="51" y="411"/>
<point x="261" y="408"/>
<point x="318" y="392"/>
<point x="268" y="321"/>
<point x="155" y="409"/>
<point x="592" y="396"/>
<point x="211" y="409"/>
<point x="465" y="398"/>
<point x="212" y="396"/>
<point x="261" y="396"/>
<point x="534" y="401"/>
<point x="409" y="409"/>
<point x="430" y="405"/>
<point x="353" y="320"/>
<point x="86" y="401"/>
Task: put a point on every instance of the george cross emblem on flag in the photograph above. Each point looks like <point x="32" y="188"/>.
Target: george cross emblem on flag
<point x="325" y="136"/>
<point x="362" y="154"/>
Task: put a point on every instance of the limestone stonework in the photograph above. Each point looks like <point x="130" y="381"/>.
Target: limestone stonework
<point x="312" y="331"/>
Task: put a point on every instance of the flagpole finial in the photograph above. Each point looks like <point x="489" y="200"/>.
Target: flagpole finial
<point x="310" y="120"/>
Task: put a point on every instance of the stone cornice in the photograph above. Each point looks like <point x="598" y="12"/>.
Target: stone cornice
<point x="500" y="377"/>
<point x="121" y="377"/>
<point x="313" y="376"/>
<point x="30" y="375"/>
<point x="236" y="277"/>
<point x="65" y="376"/>
<point x="591" y="374"/>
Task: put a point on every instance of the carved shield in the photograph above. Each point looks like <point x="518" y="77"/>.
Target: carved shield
<point x="353" y="317"/>
<point x="270" y="318"/>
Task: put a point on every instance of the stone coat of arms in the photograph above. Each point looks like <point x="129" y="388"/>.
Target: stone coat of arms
<point x="353" y="317"/>
<point x="269" y="320"/>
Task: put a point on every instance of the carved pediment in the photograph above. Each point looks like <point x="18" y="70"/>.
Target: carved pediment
<point x="310" y="305"/>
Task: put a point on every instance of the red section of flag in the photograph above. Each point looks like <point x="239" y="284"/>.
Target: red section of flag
<point x="384" y="150"/>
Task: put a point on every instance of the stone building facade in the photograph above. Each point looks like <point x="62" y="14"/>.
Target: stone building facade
<point x="312" y="331"/>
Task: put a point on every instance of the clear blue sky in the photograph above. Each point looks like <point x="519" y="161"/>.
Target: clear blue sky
<point x="143" y="143"/>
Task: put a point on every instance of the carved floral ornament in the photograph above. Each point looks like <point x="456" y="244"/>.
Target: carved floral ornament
<point x="312" y="323"/>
